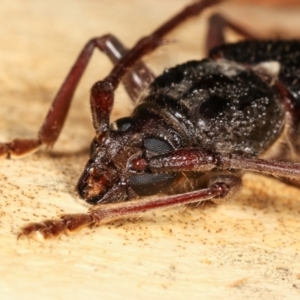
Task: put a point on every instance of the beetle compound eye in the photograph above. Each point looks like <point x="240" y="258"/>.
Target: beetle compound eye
<point x="148" y="184"/>
<point x="121" y="124"/>
<point x="157" y="145"/>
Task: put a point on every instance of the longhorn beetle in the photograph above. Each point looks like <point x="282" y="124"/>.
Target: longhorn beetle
<point x="192" y="131"/>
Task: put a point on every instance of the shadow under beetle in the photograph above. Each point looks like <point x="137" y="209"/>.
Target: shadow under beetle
<point x="194" y="128"/>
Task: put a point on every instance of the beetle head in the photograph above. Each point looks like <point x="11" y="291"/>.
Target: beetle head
<point x="109" y="175"/>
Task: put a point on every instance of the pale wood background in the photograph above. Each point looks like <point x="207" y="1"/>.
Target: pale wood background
<point x="245" y="249"/>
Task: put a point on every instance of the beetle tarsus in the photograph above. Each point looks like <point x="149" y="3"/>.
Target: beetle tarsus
<point x="19" y="148"/>
<point x="53" y="228"/>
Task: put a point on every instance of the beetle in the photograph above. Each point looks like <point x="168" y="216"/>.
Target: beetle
<point x="193" y="130"/>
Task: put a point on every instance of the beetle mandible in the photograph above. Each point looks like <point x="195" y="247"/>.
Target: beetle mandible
<point x="192" y="131"/>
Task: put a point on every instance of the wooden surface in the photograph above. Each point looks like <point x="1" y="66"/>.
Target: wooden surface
<point x="247" y="248"/>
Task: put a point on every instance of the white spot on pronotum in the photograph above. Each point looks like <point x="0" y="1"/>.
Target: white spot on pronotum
<point x="270" y="68"/>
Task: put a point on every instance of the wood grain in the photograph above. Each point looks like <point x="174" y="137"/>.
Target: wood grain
<point x="247" y="248"/>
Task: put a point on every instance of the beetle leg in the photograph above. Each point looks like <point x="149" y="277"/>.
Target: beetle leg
<point x="138" y="77"/>
<point x="135" y="81"/>
<point x="233" y="183"/>
<point x="216" y="29"/>
<point x="220" y="188"/>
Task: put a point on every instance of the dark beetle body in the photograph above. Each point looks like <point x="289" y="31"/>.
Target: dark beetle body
<point x="229" y="103"/>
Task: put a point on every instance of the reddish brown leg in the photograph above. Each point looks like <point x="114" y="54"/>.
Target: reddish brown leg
<point x="221" y="188"/>
<point x="138" y="77"/>
<point x="216" y="29"/>
<point x="135" y="81"/>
